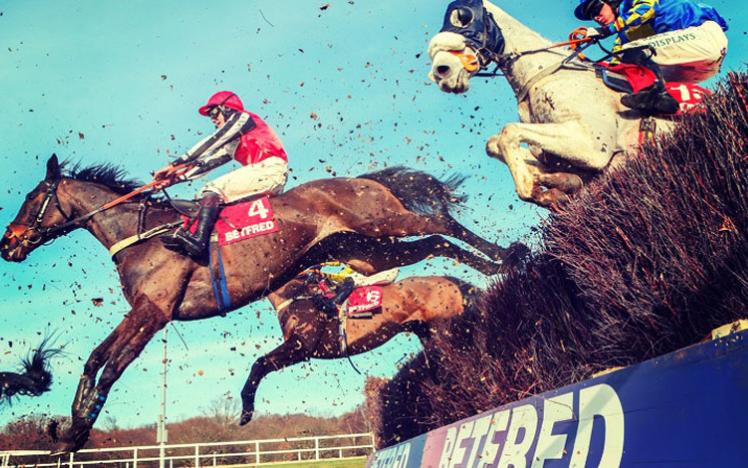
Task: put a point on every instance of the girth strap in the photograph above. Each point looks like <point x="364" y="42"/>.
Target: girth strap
<point x="129" y="241"/>
<point x="218" y="278"/>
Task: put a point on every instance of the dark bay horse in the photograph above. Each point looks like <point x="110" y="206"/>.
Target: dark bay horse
<point x="161" y="285"/>
<point x="36" y="377"/>
<point x="410" y="305"/>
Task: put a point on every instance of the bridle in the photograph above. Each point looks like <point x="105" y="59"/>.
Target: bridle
<point x="488" y="42"/>
<point x="471" y="20"/>
<point x="34" y="234"/>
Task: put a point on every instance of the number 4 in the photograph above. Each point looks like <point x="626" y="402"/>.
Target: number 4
<point x="257" y="208"/>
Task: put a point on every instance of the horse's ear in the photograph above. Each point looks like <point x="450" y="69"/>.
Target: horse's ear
<point x="53" y="168"/>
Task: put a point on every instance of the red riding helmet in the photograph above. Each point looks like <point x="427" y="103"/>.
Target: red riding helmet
<point x="222" y="98"/>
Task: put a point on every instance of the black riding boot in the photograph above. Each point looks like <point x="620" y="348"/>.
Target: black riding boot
<point x="654" y="100"/>
<point x="344" y="290"/>
<point x="330" y="304"/>
<point x="194" y="244"/>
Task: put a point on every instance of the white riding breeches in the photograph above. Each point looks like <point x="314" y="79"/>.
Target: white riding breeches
<point x="268" y="176"/>
<point x="689" y="55"/>
<point x="381" y="278"/>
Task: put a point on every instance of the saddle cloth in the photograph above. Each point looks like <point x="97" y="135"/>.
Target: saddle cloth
<point x="628" y="78"/>
<point x="241" y="221"/>
<point x="364" y="302"/>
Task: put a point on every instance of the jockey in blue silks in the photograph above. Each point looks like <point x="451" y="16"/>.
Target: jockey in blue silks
<point x="686" y="42"/>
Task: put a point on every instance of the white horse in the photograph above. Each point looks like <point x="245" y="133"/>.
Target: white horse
<point x="573" y="126"/>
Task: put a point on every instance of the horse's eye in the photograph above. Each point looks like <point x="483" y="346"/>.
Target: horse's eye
<point x="30" y="196"/>
<point x="461" y="17"/>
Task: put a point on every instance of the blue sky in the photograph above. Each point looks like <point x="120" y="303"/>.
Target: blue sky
<point x="346" y="89"/>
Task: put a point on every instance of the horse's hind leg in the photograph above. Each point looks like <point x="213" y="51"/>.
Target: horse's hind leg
<point x="371" y="255"/>
<point x="458" y="231"/>
<point x="414" y="251"/>
<point x="407" y="223"/>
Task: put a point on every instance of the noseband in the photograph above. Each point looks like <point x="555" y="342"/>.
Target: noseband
<point x="471" y="20"/>
<point x="34" y="234"/>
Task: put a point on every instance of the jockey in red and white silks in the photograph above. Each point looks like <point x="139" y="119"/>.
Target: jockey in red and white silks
<point x="244" y="137"/>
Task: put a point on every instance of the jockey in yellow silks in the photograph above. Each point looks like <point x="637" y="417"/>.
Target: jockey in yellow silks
<point x="345" y="280"/>
<point x="688" y="39"/>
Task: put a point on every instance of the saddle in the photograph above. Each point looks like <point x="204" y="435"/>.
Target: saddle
<point x="237" y="221"/>
<point x="629" y="78"/>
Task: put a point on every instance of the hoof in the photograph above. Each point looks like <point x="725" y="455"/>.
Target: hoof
<point x="61" y="449"/>
<point x="516" y="258"/>
<point x="245" y="418"/>
<point x="491" y="268"/>
<point x="70" y="442"/>
<point x="52" y="429"/>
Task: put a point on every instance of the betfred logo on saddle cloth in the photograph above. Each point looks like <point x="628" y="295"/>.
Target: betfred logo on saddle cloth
<point x="364" y="301"/>
<point x="245" y="220"/>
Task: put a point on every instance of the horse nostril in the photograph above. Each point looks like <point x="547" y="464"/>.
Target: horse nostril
<point x="443" y="70"/>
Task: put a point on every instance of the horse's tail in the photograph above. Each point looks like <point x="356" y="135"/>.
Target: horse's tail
<point x="36" y="365"/>
<point x="420" y="192"/>
<point x="36" y="377"/>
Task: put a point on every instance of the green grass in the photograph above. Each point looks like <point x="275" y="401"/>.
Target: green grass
<point x="349" y="463"/>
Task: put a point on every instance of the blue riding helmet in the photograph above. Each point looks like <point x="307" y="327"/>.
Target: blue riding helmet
<point x="470" y="19"/>
<point x="588" y="9"/>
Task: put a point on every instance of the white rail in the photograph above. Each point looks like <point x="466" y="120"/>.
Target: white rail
<point x="234" y="453"/>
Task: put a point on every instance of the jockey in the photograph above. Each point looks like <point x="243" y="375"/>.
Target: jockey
<point x="240" y="135"/>
<point x="342" y="284"/>
<point x="343" y="280"/>
<point x="687" y="37"/>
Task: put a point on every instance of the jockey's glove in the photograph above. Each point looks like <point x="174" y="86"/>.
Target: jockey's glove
<point x="598" y="33"/>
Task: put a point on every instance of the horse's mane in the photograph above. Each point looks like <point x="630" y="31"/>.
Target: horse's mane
<point x="106" y="174"/>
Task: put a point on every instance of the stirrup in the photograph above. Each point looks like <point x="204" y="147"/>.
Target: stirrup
<point x="185" y="244"/>
<point x="170" y="241"/>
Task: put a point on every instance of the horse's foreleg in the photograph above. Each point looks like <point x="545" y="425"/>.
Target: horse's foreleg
<point x="570" y="141"/>
<point x="563" y="181"/>
<point x="289" y="353"/>
<point x="95" y="361"/>
<point x="136" y="330"/>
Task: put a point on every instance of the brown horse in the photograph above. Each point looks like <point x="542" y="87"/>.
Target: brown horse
<point x="410" y="305"/>
<point x="161" y="285"/>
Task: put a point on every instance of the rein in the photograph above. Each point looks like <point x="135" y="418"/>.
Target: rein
<point x="506" y="60"/>
<point x="155" y="185"/>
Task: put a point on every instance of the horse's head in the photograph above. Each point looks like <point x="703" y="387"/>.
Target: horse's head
<point x="40" y="213"/>
<point x="469" y="40"/>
